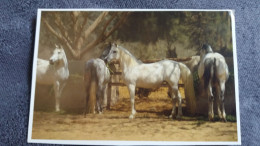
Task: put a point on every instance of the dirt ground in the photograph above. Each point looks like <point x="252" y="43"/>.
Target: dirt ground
<point x="150" y="124"/>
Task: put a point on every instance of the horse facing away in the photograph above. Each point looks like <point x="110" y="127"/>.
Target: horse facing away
<point x="213" y="70"/>
<point x="138" y="74"/>
<point x="96" y="79"/>
<point x="54" y="72"/>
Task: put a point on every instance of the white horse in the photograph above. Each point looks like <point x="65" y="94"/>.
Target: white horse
<point x="96" y="79"/>
<point x="54" y="72"/>
<point x="213" y="70"/>
<point x="138" y="74"/>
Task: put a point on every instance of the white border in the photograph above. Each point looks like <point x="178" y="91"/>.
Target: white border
<point x="106" y="142"/>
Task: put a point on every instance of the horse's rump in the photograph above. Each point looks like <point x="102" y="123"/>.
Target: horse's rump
<point x="209" y="71"/>
<point x="215" y="69"/>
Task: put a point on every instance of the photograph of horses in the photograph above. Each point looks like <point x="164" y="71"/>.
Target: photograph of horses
<point x="134" y="77"/>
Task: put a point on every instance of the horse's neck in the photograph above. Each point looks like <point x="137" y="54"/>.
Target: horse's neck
<point x="127" y="62"/>
<point x="63" y="69"/>
<point x="65" y="61"/>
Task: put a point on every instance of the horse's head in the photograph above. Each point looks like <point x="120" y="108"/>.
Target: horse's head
<point x="113" y="54"/>
<point x="57" y="55"/>
<point x="105" y="52"/>
<point x="205" y="49"/>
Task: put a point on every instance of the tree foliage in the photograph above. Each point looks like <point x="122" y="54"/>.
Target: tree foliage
<point x="192" y="28"/>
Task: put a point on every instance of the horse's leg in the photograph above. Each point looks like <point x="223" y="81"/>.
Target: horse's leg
<point x="104" y="103"/>
<point x="174" y="95"/>
<point x="57" y="96"/>
<point x="179" y="105"/>
<point x="210" y="103"/>
<point x="100" y="99"/>
<point x="222" y="88"/>
<point x="218" y="93"/>
<point x="87" y="99"/>
<point x="131" y="89"/>
<point x="98" y="102"/>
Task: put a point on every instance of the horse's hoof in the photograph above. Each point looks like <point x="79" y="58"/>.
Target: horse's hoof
<point x="170" y="117"/>
<point x="223" y="120"/>
<point x="131" y="117"/>
<point x="60" y="112"/>
<point x="211" y="119"/>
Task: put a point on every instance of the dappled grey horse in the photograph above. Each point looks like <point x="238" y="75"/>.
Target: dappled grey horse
<point x="96" y="79"/>
<point x="138" y="74"/>
<point x="213" y="70"/>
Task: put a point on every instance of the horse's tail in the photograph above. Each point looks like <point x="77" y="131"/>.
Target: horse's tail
<point x="91" y="87"/>
<point x="209" y="72"/>
<point x="187" y="79"/>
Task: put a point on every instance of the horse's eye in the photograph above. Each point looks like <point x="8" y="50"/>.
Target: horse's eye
<point x="114" y="51"/>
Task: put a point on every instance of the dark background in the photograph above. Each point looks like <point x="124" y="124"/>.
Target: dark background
<point x="17" y="32"/>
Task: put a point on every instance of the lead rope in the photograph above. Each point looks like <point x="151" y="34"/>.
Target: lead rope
<point x="109" y="69"/>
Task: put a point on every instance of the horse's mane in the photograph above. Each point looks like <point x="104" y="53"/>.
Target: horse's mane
<point x="65" y="58"/>
<point x="129" y="59"/>
<point x="207" y="48"/>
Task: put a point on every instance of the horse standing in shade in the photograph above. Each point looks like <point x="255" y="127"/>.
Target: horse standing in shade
<point x="96" y="80"/>
<point x="54" y="72"/>
<point x="138" y="74"/>
<point x="213" y="70"/>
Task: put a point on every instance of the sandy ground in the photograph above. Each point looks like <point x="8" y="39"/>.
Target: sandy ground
<point x="150" y="124"/>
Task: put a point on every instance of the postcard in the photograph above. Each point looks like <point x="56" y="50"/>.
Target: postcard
<point x="135" y="77"/>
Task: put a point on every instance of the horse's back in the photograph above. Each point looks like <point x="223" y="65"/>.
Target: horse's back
<point x="44" y="74"/>
<point x="42" y="63"/>
<point x="151" y="75"/>
<point x="98" y="67"/>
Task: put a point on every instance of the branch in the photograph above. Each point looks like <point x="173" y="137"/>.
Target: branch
<point x="103" y="36"/>
<point x="62" y="28"/>
<point x="75" y="17"/>
<point x="108" y="22"/>
<point x="76" y="42"/>
<point x="122" y="19"/>
<point x="94" y="25"/>
<point x="61" y="38"/>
